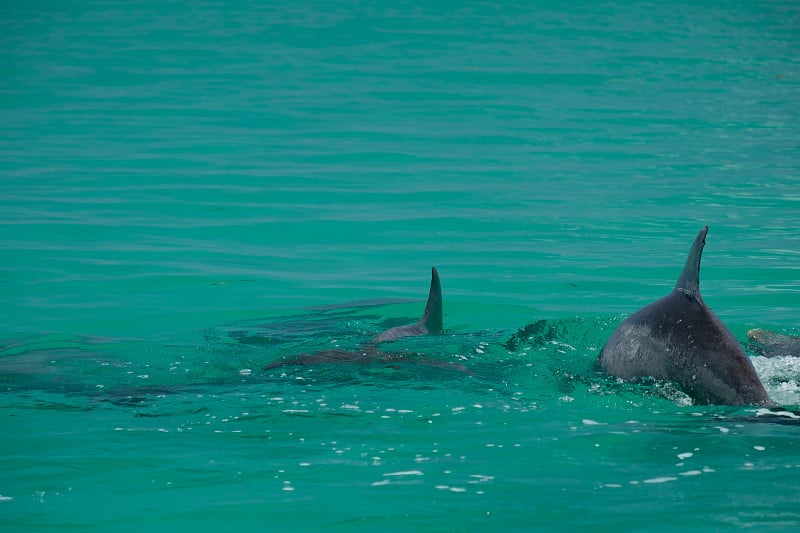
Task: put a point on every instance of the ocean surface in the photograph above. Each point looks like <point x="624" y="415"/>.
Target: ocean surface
<point x="191" y="191"/>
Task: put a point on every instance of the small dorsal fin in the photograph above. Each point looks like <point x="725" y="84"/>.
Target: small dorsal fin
<point x="689" y="282"/>
<point x="431" y="321"/>
<point x="432" y="317"/>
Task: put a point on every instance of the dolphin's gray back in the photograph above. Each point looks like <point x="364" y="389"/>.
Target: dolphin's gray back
<point x="770" y="344"/>
<point x="679" y="338"/>
<point x="431" y="321"/>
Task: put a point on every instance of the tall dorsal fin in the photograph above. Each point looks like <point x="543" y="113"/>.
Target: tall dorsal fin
<point x="689" y="282"/>
<point x="432" y="317"/>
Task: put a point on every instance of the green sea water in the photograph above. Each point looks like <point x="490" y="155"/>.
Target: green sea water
<point x="190" y="191"/>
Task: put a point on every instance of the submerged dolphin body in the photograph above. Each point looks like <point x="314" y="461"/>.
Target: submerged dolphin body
<point x="429" y="324"/>
<point x="679" y="338"/>
<point x="770" y="344"/>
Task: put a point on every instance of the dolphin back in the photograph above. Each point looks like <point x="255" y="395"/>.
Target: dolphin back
<point x="431" y="321"/>
<point x="679" y="338"/>
<point x="770" y="344"/>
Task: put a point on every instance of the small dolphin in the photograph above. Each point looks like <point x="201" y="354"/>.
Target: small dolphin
<point x="429" y="324"/>
<point x="770" y="344"/>
<point x="431" y="321"/>
<point x="679" y="338"/>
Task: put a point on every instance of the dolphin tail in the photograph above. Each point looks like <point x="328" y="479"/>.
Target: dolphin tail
<point x="432" y="317"/>
<point x="689" y="282"/>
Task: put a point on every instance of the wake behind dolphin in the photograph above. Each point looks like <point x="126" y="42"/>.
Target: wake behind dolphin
<point x="679" y="338"/>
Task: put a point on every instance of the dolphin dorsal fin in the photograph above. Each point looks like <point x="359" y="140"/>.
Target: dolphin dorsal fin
<point x="689" y="282"/>
<point x="432" y="317"/>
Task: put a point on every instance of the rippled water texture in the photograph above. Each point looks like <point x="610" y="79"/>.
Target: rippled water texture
<point x="193" y="193"/>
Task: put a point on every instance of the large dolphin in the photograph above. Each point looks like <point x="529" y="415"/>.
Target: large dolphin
<point x="679" y="338"/>
<point x="429" y="324"/>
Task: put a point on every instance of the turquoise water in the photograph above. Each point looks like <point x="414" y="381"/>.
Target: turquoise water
<point x="190" y="191"/>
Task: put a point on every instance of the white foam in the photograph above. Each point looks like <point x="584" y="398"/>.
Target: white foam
<point x="769" y="412"/>
<point x="663" y="479"/>
<point x="404" y="473"/>
<point x="781" y="378"/>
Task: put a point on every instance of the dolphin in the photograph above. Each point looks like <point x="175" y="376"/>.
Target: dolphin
<point x="771" y="344"/>
<point x="431" y="321"/>
<point x="679" y="338"/>
<point x="429" y="324"/>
